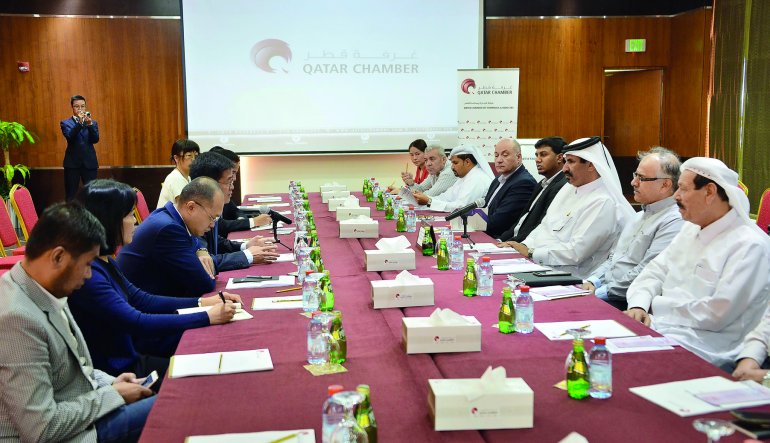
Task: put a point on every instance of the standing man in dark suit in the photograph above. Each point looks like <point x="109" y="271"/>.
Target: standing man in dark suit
<point x="509" y="193"/>
<point x="549" y="161"/>
<point x="81" y="132"/>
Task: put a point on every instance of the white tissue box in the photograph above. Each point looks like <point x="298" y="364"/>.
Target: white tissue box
<point x="326" y="188"/>
<point x="509" y="407"/>
<point x="419" y="336"/>
<point x="345" y="212"/>
<point x="326" y="195"/>
<point x="377" y="260"/>
<point x="336" y="202"/>
<point x="360" y="230"/>
<point x="392" y="294"/>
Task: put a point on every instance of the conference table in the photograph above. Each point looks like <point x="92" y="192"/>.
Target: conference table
<point x="289" y="397"/>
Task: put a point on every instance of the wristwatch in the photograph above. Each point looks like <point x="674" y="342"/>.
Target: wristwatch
<point x="766" y="380"/>
<point x="530" y="251"/>
<point x="429" y="201"/>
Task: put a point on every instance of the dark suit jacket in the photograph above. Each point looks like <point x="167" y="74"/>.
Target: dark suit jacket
<point x="535" y="216"/>
<point x="80" y="144"/>
<point x="161" y="258"/>
<point x="233" y="220"/>
<point x="227" y="254"/>
<point x="509" y="202"/>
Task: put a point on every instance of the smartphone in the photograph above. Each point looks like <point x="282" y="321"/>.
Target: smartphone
<point x="550" y="273"/>
<point x="150" y="379"/>
<point x="752" y="416"/>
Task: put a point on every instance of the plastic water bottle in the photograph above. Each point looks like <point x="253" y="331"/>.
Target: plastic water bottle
<point x="309" y="292"/>
<point x="525" y="314"/>
<point x="411" y="220"/>
<point x="457" y="255"/>
<point x="317" y="344"/>
<point x="600" y="369"/>
<point x="484" y="288"/>
<point x="332" y="413"/>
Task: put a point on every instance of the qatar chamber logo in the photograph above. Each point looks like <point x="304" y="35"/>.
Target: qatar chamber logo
<point x="468" y="86"/>
<point x="263" y="53"/>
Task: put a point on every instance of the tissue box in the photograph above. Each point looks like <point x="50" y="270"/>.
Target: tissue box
<point x="392" y="294"/>
<point x="326" y="195"/>
<point x="336" y="202"/>
<point x="360" y="230"/>
<point x="509" y="407"/>
<point x="345" y="212"/>
<point x="377" y="260"/>
<point x="419" y="336"/>
<point x="326" y="188"/>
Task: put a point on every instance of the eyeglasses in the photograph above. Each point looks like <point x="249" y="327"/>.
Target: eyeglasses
<point x="190" y="156"/>
<point x="213" y="219"/>
<point x="642" y="178"/>
<point x="229" y="182"/>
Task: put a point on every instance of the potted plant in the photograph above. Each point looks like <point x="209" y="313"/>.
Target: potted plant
<point x="12" y="134"/>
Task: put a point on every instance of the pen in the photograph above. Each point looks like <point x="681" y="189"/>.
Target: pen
<point x="287" y="300"/>
<point x="288" y="289"/>
<point x="288" y="437"/>
<point x="582" y="328"/>
<point x="222" y="296"/>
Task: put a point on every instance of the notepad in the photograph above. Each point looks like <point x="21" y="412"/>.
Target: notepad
<point x="556" y="292"/>
<point x="489" y="248"/>
<point x="592" y="328"/>
<point x="273" y="303"/>
<point x="513" y="265"/>
<point x="640" y="344"/>
<point x="265" y="199"/>
<point x="295" y="436"/>
<point x="283" y="280"/>
<point x="217" y="363"/>
<point x="704" y="395"/>
<point x="240" y="314"/>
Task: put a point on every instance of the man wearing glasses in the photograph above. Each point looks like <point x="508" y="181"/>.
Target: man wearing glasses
<point x="163" y="257"/>
<point x="647" y="233"/>
<point x="81" y="132"/>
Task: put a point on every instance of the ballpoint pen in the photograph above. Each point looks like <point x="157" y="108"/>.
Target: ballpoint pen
<point x="222" y="296"/>
<point x="288" y="289"/>
<point x="287" y="300"/>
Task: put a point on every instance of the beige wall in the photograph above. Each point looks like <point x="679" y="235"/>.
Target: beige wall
<point x="272" y="174"/>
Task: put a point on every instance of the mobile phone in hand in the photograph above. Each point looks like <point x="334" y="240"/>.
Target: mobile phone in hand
<point x="150" y="379"/>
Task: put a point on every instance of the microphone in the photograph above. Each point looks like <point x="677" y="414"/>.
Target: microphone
<point x="480" y="203"/>
<point x="264" y="209"/>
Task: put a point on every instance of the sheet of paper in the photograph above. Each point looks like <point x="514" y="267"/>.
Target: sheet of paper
<point x="256" y="207"/>
<point x="240" y="314"/>
<point x="273" y="303"/>
<point x="639" y="344"/>
<point x="283" y="280"/>
<point x="592" y="328"/>
<point x="266" y="227"/>
<point x="265" y="199"/>
<point x="680" y="397"/>
<point x="215" y="363"/>
<point x="294" y="436"/>
<point x="286" y="257"/>
<point x="513" y="265"/>
<point x="556" y="292"/>
<point x="488" y="248"/>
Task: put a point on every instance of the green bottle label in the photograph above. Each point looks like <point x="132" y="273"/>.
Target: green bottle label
<point x="506" y="319"/>
<point x="578" y="383"/>
<point x="442" y="258"/>
<point x="401" y="221"/>
<point x="469" y="281"/>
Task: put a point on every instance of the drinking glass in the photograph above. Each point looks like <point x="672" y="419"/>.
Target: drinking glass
<point x="713" y="428"/>
<point x="348" y="430"/>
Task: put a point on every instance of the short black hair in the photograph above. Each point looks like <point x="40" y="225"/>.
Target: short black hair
<point x="68" y="225"/>
<point x="419" y="144"/>
<point x="109" y="201"/>
<point x="232" y="156"/>
<point x="76" y="97"/>
<point x="183" y="146"/>
<point x="466" y="157"/>
<point x="211" y="165"/>
<point x="555" y="143"/>
<point x="700" y="181"/>
<point x="201" y="188"/>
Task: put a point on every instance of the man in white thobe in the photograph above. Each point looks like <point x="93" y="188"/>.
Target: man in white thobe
<point x="709" y="288"/>
<point x="586" y="216"/>
<point x="754" y="352"/>
<point x="474" y="176"/>
<point x="648" y="232"/>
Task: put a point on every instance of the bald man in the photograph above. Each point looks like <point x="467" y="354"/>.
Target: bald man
<point x="509" y="193"/>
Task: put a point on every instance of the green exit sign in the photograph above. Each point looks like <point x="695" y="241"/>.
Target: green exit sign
<point x="636" y="45"/>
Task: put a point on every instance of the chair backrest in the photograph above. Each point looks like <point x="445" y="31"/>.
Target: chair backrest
<point x="743" y="187"/>
<point x="8" y="236"/>
<point x="141" y="211"/>
<point x="21" y="200"/>
<point x="763" y="214"/>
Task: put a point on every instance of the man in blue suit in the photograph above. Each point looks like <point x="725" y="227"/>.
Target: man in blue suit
<point x="166" y="257"/>
<point x="509" y="193"/>
<point x="81" y="132"/>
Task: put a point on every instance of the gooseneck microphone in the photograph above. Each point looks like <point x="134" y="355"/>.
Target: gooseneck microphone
<point x="264" y="209"/>
<point x="465" y="209"/>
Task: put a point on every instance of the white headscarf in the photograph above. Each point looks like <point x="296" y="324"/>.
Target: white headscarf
<point x="481" y="162"/>
<point x="725" y="177"/>
<point x="600" y="157"/>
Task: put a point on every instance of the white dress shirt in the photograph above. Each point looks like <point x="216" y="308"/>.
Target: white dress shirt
<point x="464" y="191"/>
<point x="757" y="343"/>
<point x="578" y="230"/>
<point x="648" y="233"/>
<point x="709" y="288"/>
<point x="436" y="184"/>
<point x="172" y="187"/>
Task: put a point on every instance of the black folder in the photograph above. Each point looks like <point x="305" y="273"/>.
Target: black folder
<point x="534" y="281"/>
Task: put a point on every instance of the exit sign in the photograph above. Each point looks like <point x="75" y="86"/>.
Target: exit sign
<point x="636" y="45"/>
